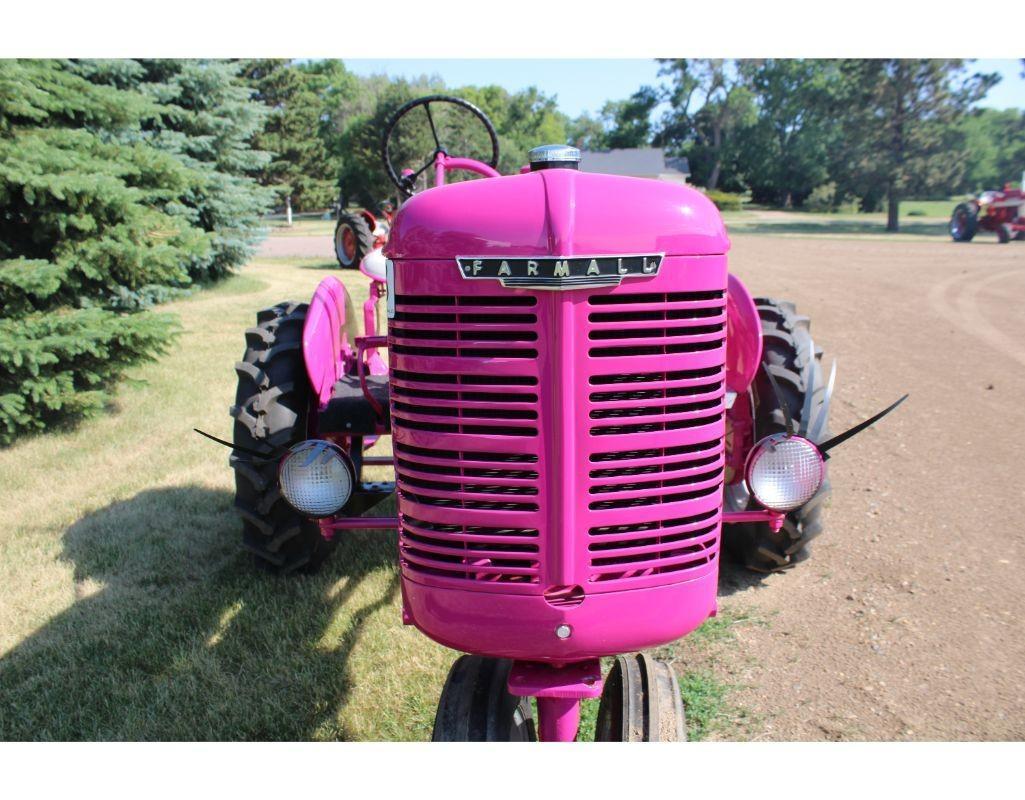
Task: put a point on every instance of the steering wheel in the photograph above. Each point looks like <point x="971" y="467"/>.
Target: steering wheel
<point x="451" y="122"/>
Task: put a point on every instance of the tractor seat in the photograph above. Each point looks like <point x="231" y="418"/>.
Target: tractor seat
<point x="349" y="412"/>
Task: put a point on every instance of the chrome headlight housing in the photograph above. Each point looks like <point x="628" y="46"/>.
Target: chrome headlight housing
<point x="784" y="472"/>
<point x="316" y="478"/>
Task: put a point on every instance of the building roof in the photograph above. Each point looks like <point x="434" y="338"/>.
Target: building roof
<point x="638" y="162"/>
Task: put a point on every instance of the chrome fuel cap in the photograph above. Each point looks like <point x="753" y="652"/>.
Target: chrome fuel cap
<point x="550" y="156"/>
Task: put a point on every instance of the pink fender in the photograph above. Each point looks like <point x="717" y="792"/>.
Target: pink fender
<point x="326" y="347"/>
<point x="743" y="337"/>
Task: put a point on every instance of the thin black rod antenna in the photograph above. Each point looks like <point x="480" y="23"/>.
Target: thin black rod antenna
<point x="246" y="450"/>
<point x="843" y="437"/>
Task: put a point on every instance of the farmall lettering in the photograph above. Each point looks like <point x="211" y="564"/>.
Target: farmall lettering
<point x="578" y="272"/>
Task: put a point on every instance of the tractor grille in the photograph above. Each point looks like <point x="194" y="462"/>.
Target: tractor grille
<point x="490" y="464"/>
<point x="656" y="433"/>
<point x="465" y="411"/>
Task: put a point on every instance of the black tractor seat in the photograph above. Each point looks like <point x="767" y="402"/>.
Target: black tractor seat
<point x="348" y="411"/>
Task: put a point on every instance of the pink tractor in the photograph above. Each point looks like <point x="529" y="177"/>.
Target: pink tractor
<point x="580" y="396"/>
<point x="1002" y="213"/>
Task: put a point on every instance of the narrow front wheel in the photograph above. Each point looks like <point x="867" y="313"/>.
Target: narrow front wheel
<point x="476" y="705"/>
<point x="640" y="702"/>
<point x="964" y="222"/>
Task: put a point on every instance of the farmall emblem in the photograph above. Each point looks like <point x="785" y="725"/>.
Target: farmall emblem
<point x="555" y="272"/>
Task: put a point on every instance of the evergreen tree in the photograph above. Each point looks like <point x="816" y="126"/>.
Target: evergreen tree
<point x="299" y="102"/>
<point x="83" y="231"/>
<point x="207" y="119"/>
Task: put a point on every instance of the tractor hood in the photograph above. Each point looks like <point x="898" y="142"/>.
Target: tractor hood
<point x="557" y="212"/>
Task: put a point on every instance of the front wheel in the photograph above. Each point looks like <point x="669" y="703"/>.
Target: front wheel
<point x="640" y="702"/>
<point x="1003" y="233"/>
<point x="964" y="222"/>
<point x="476" y="705"/>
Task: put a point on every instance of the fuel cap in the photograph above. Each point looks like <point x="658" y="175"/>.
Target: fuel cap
<point x="552" y="156"/>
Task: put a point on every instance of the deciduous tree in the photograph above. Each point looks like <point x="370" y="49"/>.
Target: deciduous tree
<point x="901" y="124"/>
<point x="708" y="102"/>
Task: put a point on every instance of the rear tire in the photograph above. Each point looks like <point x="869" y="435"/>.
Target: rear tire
<point x="353" y="239"/>
<point x="789" y="352"/>
<point x="476" y="705"/>
<point x="964" y="222"/>
<point x="640" y="702"/>
<point x="271" y="409"/>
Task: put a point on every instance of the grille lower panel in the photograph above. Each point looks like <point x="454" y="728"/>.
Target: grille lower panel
<point x="481" y="554"/>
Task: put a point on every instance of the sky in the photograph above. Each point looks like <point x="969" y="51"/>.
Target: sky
<point x="585" y="84"/>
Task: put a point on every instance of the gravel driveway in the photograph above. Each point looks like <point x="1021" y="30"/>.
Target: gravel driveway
<point x="906" y="623"/>
<point x="297" y="247"/>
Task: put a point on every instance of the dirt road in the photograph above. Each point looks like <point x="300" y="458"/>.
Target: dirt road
<point x="906" y="623"/>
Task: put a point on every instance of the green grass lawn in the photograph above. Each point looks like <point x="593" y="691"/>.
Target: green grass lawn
<point x="129" y="611"/>
<point x="919" y="220"/>
<point x="301" y="227"/>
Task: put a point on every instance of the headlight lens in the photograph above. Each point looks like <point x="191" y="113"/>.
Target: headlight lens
<point x="316" y="478"/>
<point x="784" y="473"/>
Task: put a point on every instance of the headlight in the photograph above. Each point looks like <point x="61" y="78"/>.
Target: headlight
<point x="316" y="478"/>
<point x="784" y="473"/>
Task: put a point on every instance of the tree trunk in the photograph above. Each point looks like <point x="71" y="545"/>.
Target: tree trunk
<point x="892" y="208"/>
<point x="713" y="178"/>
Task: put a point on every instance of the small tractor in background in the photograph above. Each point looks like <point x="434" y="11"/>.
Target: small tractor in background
<point x="360" y="232"/>
<point x="1001" y="212"/>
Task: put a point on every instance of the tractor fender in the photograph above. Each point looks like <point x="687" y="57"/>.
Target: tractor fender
<point x="327" y="347"/>
<point x="369" y="217"/>
<point x="743" y="337"/>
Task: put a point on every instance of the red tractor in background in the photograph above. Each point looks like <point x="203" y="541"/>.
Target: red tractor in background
<point x="1001" y="212"/>
<point x="359" y="231"/>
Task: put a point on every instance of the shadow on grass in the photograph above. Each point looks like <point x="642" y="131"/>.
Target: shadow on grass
<point x="332" y="265"/>
<point x="175" y="636"/>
